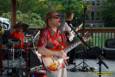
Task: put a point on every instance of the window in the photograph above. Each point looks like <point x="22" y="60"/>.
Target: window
<point x="87" y="17"/>
<point x="98" y="2"/>
<point x="93" y="3"/>
<point x="92" y="15"/>
<point x="98" y="16"/>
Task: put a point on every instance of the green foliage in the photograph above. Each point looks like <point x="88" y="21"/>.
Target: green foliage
<point x="33" y="11"/>
<point x="5" y="6"/>
<point x="75" y="5"/>
<point x="32" y="19"/>
<point x="43" y="6"/>
<point x="109" y="13"/>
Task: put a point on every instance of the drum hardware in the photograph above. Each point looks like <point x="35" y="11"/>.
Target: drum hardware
<point x="15" y="63"/>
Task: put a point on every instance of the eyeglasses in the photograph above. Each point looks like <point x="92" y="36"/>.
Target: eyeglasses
<point x="56" y="17"/>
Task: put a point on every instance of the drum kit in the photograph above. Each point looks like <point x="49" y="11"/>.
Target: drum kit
<point x="17" y="64"/>
<point x="13" y="62"/>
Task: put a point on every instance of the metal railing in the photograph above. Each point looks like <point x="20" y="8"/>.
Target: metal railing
<point x="99" y="36"/>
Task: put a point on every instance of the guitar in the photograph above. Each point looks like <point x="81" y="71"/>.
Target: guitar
<point x="54" y="63"/>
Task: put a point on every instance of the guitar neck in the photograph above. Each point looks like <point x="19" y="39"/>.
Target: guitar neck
<point x="72" y="46"/>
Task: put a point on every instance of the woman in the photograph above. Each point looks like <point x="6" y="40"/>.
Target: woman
<point x="51" y="45"/>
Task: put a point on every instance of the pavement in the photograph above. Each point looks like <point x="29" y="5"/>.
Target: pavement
<point x="92" y="63"/>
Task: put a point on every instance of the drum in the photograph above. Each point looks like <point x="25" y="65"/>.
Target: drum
<point x="13" y="53"/>
<point x="13" y="59"/>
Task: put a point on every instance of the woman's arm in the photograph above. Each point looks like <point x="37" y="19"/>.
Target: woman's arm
<point x="47" y="52"/>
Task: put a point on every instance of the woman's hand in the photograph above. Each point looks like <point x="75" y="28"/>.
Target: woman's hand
<point x="62" y="54"/>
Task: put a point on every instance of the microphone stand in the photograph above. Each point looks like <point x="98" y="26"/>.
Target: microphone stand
<point x="100" y="62"/>
<point x="85" y="66"/>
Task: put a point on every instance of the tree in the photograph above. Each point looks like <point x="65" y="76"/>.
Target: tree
<point x="32" y="19"/>
<point x="28" y="9"/>
<point x="109" y="13"/>
<point x="5" y="6"/>
<point x="75" y="5"/>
